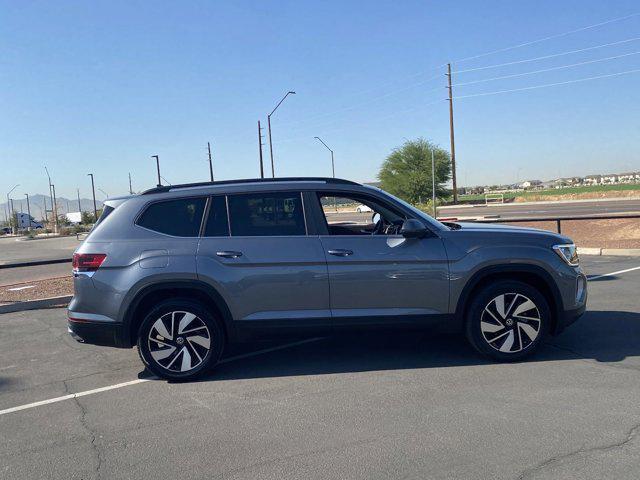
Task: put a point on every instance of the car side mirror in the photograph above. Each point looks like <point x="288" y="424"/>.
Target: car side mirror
<point x="375" y="218"/>
<point x="412" y="228"/>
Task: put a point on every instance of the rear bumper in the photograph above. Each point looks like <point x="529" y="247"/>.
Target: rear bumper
<point x="108" y="334"/>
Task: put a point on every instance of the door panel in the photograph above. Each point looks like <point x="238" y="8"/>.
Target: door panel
<point x="386" y="276"/>
<point x="276" y="279"/>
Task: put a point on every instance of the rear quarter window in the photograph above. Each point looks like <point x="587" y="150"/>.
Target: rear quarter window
<point x="179" y="218"/>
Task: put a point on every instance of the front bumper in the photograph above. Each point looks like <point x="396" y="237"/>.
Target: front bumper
<point x="568" y="317"/>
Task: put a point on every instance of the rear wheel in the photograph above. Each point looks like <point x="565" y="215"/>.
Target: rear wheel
<point x="179" y="340"/>
<point x="507" y="320"/>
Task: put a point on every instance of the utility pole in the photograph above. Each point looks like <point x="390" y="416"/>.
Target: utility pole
<point x="10" y="208"/>
<point x="130" y="189"/>
<point x="28" y="210"/>
<point x="210" y="161"/>
<point x="433" y="183"/>
<point x="453" y="143"/>
<point x="93" y="191"/>
<point x="260" y="149"/>
<point x="44" y="200"/>
<point x="79" y="207"/>
<point x="273" y="172"/>
<point x="158" y="167"/>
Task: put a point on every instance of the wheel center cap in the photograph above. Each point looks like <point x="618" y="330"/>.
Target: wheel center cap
<point x="509" y="322"/>
<point x="179" y="340"/>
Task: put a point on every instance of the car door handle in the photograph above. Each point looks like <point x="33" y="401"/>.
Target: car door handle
<point x="339" y="252"/>
<point x="229" y="254"/>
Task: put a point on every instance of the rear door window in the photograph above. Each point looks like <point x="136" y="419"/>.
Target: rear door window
<point x="266" y="214"/>
<point x="179" y="218"/>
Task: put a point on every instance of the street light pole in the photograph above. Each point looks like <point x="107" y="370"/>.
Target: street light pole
<point x="158" y="167"/>
<point x="28" y="210"/>
<point x="333" y="167"/>
<point x="55" y="205"/>
<point x="93" y="191"/>
<point x="55" y="223"/>
<point x="10" y="207"/>
<point x="273" y="172"/>
<point x="79" y="207"/>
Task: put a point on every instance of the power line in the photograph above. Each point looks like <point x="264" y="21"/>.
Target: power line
<point x="548" y="84"/>
<point x="544" y="57"/>
<point x="560" y="67"/>
<point x="544" y="39"/>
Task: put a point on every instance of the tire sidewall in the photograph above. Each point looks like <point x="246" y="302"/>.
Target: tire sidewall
<point x="213" y="324"/>
<point x="482" y="299"/>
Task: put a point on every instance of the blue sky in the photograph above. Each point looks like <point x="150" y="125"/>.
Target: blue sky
<point x="100" y="86"/>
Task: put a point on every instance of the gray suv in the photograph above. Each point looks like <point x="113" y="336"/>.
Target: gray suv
<point x="180" y="271"/>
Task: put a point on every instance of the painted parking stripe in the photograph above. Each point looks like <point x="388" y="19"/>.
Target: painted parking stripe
<point x="143" y="380"/>
<point x="614" y="273"/>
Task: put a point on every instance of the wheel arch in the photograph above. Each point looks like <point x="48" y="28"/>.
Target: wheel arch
<point x="186" y="289"/>
<point x="532" y="275"/>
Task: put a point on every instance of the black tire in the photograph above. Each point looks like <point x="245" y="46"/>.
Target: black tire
<point x="488" y="330"/>
<point x="163" y="351"/>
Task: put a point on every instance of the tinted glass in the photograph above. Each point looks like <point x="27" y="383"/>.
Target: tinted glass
<point x="180" y="218"/>
<point x="217" y="224"/>
<point x="105" y="213"/>
<point x="267" y="214"/>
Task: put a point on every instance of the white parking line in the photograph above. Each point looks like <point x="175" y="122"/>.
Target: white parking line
<point x="614" y="273"/>
<point x="142" y="380"/>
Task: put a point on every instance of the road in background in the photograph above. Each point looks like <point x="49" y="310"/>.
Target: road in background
<point x="15" y="250"/>
<point x="552" y="209"/>
<point x="10" y="276"/>
<point x="374" y="406"/>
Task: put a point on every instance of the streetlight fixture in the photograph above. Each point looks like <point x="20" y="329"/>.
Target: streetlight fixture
<point x="273" y="173"/>
<point x="13" y="230"/>
<point x="333" y="167"/>
<point x="93" y="191"/>
<point x="158" y="167"/>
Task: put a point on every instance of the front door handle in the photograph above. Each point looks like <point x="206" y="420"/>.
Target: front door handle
<point x="339" y="252"/>
<point x="229" y="254"/>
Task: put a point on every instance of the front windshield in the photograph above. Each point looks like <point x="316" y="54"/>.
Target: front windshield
<point x="418" y="212"/>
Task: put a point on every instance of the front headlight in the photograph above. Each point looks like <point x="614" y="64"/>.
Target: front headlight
<point x="568" y="252"/>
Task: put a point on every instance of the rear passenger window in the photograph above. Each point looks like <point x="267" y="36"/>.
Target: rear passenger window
<point x="267" y="214"/>
<point x="180" y="218"/>
<point x="217" y="222"/>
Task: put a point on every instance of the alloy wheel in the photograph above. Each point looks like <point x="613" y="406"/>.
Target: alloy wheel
<point x="179" y="341"/>
<point x="510" y="322"/>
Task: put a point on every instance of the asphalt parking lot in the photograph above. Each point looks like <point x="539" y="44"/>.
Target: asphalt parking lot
<point x="404" y="405"/>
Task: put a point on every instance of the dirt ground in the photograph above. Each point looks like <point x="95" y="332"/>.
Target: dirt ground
<point x="619" y="233"/>
<point x="22" y="292"/>
<point x="579" y="196"/>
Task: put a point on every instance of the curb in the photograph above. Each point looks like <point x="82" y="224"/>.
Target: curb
<point x="35" y="304"/>
<point x="615" y="252"/>
<point x="35" y="263"/>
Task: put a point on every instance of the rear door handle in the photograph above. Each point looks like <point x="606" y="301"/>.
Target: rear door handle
<point x="229" y="254"/>
<point x="339" y="252"/>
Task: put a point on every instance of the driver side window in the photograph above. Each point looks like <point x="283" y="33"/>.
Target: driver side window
<point x="359" y="215"/>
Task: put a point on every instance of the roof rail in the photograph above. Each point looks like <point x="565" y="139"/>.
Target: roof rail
<point x="167" y="188"/>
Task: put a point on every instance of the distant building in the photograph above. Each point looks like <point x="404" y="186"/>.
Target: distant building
<point x="593" y="180"/>
<point x="531" y="184"/>
<point x="630" y="177"/>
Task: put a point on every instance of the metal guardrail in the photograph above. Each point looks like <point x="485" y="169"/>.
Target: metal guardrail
<point x="558" y="220"/>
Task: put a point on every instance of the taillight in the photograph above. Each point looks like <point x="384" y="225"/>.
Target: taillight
<point x="87" y="262"/>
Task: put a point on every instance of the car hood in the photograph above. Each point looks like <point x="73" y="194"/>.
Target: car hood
<point x="497" y="228"/>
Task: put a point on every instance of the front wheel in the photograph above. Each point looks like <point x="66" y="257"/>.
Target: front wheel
<point x="507" y="320"/>
<point x="179" y="340"/>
